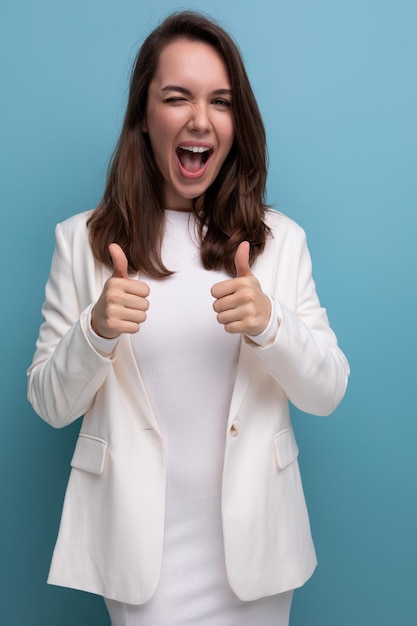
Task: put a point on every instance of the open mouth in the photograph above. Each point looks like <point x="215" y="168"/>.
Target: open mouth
<point x="193" y="158"/>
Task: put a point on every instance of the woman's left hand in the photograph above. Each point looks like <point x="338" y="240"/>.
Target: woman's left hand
<point x="241" y="305"/>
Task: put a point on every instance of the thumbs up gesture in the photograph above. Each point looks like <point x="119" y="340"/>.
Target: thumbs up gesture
<point x="122" y="305"/>
<point x="240" y="303"/>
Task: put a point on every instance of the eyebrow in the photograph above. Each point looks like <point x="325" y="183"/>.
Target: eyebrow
<point x="187" y="92"/>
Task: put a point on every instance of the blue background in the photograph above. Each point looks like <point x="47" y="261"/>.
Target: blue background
<point x="336" y="84"/>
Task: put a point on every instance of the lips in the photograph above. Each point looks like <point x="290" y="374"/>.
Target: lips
<point x="193" y="159"/>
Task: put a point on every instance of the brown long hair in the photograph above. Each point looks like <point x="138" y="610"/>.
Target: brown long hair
<point x="231" y="210"/>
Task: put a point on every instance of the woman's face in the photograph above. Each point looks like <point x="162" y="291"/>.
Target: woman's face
<point x="189" y="119"/>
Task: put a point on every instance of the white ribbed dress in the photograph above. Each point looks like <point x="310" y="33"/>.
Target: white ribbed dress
<point x="188" y="364"/>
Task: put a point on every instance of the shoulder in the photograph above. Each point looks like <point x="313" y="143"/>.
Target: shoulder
<point x="74" y="260"/>
<point x="74" y="229"/>
<point x="283" y="227"/>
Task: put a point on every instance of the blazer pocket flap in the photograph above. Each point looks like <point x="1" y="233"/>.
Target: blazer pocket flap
<point x="286" y="448"/>
<point x="89" y="454"/>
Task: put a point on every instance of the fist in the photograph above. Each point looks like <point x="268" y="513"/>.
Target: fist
<point x="240" y="304"/>
<point x="122" y="305"/>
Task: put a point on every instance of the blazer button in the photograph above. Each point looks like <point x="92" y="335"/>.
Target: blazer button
<point x="234" y="429"/>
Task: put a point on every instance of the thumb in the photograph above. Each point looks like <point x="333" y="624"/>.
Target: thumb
<point x="120" y="263"/>
<point x="242" y="259"/>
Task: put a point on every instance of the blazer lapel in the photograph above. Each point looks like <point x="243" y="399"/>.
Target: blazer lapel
<point x="128" y="368"/>
<point x="264" y="269"/>
<point x="133" y="381"/>
<point x="241" y="383"/>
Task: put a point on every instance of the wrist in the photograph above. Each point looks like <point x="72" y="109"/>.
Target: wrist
<point x="103" y="345"/>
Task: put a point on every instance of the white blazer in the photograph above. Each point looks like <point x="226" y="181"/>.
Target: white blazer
<point x="111" y="534"/>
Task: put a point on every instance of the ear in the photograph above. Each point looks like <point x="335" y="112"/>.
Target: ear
<point x="144" y="126"/>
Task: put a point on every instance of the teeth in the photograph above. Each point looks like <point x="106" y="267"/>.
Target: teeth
<point x="195" y="148"/>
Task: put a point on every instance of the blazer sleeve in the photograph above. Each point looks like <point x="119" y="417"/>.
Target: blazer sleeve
<point x="304" y="358"/>
<point x="66" y="371"/>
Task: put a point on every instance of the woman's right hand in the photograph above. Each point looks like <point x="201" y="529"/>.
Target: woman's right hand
<point x="123" y="302"/>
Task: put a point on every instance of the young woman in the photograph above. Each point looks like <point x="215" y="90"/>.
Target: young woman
<point x="180" y="317"/>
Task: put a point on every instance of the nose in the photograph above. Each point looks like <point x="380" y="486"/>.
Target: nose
<point x="200" y="118"/>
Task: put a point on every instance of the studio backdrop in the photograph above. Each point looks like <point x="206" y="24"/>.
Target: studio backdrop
<point x="336" y="85"/>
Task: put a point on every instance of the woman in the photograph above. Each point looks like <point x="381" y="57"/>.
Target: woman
<point x="184" y="504"/>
